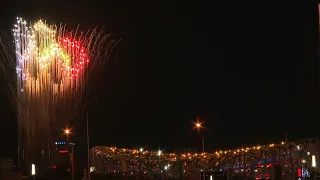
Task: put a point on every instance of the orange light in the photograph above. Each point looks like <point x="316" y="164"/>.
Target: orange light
<point x="67" y="131"/>
<point x="198" y="125"/>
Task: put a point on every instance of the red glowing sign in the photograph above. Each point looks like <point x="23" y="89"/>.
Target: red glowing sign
<point x="299" y="172"/>
<point x="63" y="151"/>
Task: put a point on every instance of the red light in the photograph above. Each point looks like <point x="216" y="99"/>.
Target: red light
<point x="53" y="167"/>
<point x="299" y="172"/>
<point x="63" y="151"/>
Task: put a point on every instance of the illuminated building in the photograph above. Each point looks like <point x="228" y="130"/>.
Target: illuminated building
<point x="260" y="161"/>
<point x="60" y="158"/>
<point x="56" y="160"/>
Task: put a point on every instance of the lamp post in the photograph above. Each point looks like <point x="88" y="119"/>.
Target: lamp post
<point x="88" y="146"/>
<point x="67" y="132"/>
<point x="199" y="126"/>
<point x="141" y="150"/>
<point x="314" y="166"/>
<point x="159" y="154"/>
<point x="72" y="165"/>
<point x="88" y="137"/>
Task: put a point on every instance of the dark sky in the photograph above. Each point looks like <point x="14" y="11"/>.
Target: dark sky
<point x="249" y="73"/>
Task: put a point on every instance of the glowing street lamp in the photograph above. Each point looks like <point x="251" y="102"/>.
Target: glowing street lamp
<point x="68" y="132"/>
<point x="159" y="154"/>
<point x="141" y="150"/>
<point x="198" y="126"/>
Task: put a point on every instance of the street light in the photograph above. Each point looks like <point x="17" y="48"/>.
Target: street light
<point x="141" y="150"/>
<point x="88" y="137"/>
<point x="67" y="132"/>
<point x="72" y="165"/>
<point x="198" y="126"/>
<point x="159" y="154"/>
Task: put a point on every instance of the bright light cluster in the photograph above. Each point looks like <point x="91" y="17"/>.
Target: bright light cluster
<point x="47" y="60"/>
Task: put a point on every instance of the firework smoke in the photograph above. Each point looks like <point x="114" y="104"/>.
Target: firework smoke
<point x="52" y="67"/>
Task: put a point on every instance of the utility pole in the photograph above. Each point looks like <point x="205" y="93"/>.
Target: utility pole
<point x="18" y="159"/>
<point x="199" y="126"/>
<point x="72" y="165"/>
<point x="88" y="140"/>
<point x="88" y="146"/>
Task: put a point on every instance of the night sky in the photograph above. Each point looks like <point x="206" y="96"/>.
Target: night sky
<point x="250" y="74"/>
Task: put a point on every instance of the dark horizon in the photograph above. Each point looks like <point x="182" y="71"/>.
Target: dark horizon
<point x="235" y="71"/>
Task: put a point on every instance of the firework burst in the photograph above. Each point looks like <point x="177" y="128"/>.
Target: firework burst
<point x="52" y="67"/>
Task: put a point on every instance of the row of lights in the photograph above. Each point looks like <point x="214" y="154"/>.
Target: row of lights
<point x="60" y="143"/>
<point x="141" y="150"/>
